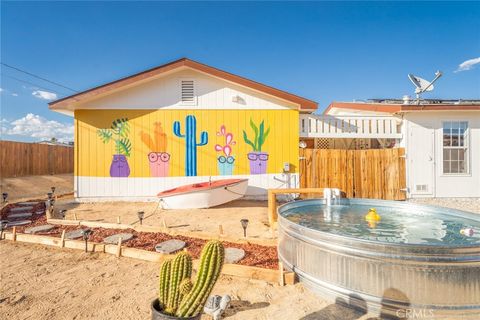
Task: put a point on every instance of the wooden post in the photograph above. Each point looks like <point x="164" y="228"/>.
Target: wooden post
<point x="62" y="239"/>
<point x="164" y="224"/>
<point x="220" y="229"/>
<point x="118" y="219"/>
<point x="272" y="207"/>
<point x="14" y="233"/>
<point x="281" y="281"/>
<point x="75" y="216"/>
<point x="119" y="248"/>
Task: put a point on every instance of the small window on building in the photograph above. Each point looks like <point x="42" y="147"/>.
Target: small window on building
<point x="187" y="92"/>
<point x="455" y="147"/>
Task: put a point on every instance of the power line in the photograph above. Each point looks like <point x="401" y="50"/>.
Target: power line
<point x="30" y="83"/>
<point x="41" y="78"/>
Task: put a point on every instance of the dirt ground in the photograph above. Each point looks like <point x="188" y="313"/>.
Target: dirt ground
<point x="29" y="187"/>
<point x="39" y="282"/>
<point x="185" y="221"/>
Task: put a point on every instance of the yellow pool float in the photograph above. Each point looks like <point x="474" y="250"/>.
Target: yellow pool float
<point x="372" y="215"/>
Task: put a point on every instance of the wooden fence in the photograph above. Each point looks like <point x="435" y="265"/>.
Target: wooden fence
<point x="375" y="174"/>
<point x="25" y="159"/>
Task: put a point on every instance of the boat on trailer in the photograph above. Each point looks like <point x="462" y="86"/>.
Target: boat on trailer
<point x="204" y="194"/>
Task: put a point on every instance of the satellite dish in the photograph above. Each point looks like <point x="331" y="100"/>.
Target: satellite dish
<point x="422" y="85"/>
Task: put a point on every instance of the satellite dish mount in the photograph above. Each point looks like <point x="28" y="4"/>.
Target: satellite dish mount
<point x="422" y="85"/>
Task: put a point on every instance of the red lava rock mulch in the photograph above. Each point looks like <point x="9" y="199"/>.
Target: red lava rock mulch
<point x="255" y="255"/>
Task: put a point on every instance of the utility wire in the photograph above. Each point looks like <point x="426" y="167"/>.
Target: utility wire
<point x="41" y="78"/>
<point x="30" y="83"/>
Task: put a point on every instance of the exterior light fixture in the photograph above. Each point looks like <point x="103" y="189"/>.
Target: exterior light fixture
<point x="3" y="226"/>
<point x="302" y="144"/>
<point x="63" y="212"/>
<point x="85" y="234"/>
<point x="53" y="189"/>
<point x="140" y="215"/>
<point x="5" y="196"/>
<point x="50" y="195"/>
<point x="244" y="223"/>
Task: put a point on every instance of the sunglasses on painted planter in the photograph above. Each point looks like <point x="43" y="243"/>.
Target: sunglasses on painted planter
<point x="228" y="159"/>
<point x="155" y="156"/>
<point x="121" y="159"/>
<point x="261" y="157"/>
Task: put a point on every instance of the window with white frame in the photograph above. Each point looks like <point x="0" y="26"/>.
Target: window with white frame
<point x="455" y="147"/>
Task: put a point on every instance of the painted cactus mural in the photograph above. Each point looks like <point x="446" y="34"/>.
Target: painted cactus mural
<point x="118" y="132"/>
<point x="158" y="158"/>
<point x="225" y="159"/>
<point x="190" y="137"/>
<point x="257" y="158"/>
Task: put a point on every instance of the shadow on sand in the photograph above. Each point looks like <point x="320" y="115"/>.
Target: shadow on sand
<point x="241" y="305"/>
<point x="394" y="306"/>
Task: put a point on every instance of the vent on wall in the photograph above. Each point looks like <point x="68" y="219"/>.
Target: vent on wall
<point x="188" y="92"/>
<point x="421" y="187"/>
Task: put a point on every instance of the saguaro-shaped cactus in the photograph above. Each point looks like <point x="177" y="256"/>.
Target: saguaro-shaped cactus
<point x="211" y="262"/>
<point x="174" y="275"/>
<point x="191" y="143"/>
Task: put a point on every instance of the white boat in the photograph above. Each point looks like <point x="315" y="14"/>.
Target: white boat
<point x="203" y="195"/>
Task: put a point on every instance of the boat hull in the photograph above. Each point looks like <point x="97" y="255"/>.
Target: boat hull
<point x="203" y="195"/>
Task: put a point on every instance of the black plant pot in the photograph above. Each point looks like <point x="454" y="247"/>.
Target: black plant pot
<point x="157" y="313"/>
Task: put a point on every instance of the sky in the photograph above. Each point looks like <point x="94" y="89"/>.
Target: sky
<point x="324" y="51"/>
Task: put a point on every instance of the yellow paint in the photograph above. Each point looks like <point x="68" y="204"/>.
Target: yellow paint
<point x="93" y="157"/>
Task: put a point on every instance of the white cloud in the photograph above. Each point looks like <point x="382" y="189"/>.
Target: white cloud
<point x="37" y="127"/>
<point x="468" y="65"/>
<point x="15" y="94"/>
<point x="45" y="95"/>
<point x="1" y="89"/>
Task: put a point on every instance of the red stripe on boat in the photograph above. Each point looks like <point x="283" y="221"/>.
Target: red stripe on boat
<point x="199" y="187"/>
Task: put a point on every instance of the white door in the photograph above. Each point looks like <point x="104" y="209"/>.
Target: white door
<point x="421" y="160"/>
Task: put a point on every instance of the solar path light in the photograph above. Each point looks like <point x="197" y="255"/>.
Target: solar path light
<point x="5" y="196"/>
<point x="140" y="215"/>
<point x="53" y="189"/>
<point x="85" y="234"/>
<point x="244" y="223"/>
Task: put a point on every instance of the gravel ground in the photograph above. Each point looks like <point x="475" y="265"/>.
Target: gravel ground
<point x="465" y="204"/>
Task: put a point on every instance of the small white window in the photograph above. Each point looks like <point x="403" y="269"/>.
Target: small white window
<point x="187" y="87"/>
<point x="455" y="147"/>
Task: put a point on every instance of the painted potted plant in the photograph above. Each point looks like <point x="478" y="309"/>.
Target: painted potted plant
<point x="158" y="157"/>
<point x="257" y="158"/>
<point x="225" y="160"/>
<point x="178" y="296"/>
<point x="118" y="132"/>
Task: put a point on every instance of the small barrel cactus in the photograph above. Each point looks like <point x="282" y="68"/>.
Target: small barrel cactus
<point x="178" y="296"/>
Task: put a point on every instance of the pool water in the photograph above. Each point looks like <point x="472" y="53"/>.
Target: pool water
<point x="403" y="224"/>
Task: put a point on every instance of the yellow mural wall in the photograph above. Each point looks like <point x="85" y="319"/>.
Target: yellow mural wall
<point x="96" y="141"/>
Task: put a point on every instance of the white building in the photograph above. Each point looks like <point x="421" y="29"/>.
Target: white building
<point x="441" y="140"/>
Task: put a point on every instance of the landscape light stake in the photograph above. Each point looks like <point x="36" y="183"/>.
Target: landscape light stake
<point x="140" y="215"/>
<point x="244" y="223"/>
<point x="3" y="226"/>
<point x="5" y="196"/>
<point x="85" y="234"/>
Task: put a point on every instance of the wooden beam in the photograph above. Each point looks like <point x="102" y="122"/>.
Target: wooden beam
<point x="272" y="200"/>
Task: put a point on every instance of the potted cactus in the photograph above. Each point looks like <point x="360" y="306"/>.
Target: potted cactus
<point x="257" y="158"/>
<point x="178" y="296"/>
<point x="225" y="159"/>
<point x="158" y="157"/>
<point x="118" y="131"/>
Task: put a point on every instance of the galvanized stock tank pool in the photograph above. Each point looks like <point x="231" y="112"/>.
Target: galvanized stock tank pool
<point x="415" y="260"/>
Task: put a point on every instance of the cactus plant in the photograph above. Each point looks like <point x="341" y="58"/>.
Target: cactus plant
<point x="190" y="137"/>
<point x="178" y="296"/>
<point x="211" y="262"/>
